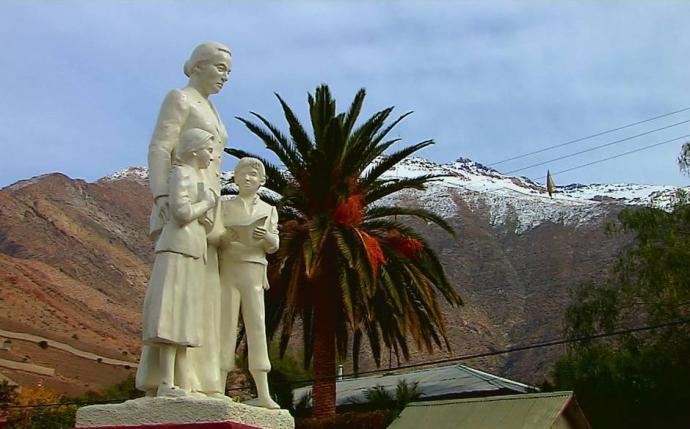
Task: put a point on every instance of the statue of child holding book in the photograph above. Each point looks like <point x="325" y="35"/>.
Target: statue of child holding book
<point x="251" y="232"/>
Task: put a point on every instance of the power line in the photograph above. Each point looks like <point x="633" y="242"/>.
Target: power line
<point x="598" y="147"/>
<point x="588" y="137"/>
<point x="618" y="156"/>
<point x="549" y="343"/>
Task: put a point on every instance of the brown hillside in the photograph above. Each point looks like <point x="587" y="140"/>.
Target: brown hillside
<point x="75" y="258"/>
<point x="74" y="262"/>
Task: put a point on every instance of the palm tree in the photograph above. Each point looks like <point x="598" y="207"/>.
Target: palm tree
<point x="346" y="265"/>
<point x="378" y="398"/>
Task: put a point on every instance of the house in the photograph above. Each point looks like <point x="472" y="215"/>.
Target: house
<point x="451" y="381"/>
<point x="553" y="410"/>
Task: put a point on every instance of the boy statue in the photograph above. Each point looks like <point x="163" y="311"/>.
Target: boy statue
<point x="251" y="232"/>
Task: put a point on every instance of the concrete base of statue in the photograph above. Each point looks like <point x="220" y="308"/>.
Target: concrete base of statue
<point x="178" y="413"/>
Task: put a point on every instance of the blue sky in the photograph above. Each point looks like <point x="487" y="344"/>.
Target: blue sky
<point x="81" y="82"/>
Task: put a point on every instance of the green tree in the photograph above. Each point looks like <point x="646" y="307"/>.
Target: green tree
<point x="346" y="265"/>
<point x="122" y="391"/>
<point x="8" y="397"/>
<point x="41" y="408"/>
<point x="639" y="379"/>
<point x="684" y="158"/>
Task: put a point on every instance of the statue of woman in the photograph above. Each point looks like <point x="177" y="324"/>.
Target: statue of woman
<point x="207" y="69"/>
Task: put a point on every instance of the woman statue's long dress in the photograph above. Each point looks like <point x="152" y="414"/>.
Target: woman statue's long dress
<point x="189" y="107"/>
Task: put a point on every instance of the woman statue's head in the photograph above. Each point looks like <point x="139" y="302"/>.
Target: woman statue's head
<point x="208" y="67"/>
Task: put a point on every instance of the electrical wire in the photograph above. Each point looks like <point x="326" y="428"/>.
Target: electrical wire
<point x="617" y="156"/>
<point x="589" y="137"/>
<point x="597" y="147"/>
<point x="549" y="343"/>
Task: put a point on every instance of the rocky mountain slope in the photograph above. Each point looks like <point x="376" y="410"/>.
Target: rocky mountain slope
<point x="75" y="258"/>
<point x="519" y="253"/>
<point x="74" y="261"/>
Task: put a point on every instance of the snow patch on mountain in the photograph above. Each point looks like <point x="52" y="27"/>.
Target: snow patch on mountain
<point x="136" y="173"/>
<point x="517" y="202"/>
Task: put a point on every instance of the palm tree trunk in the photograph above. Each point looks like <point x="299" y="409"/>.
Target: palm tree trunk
<point x="325" y="310"/>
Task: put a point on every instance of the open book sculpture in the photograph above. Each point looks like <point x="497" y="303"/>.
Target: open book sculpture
<point x="243" y="233"/>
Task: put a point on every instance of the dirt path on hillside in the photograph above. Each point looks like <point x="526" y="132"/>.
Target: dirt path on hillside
<point x="27" y="367"/>
<point x="65" y="347"/>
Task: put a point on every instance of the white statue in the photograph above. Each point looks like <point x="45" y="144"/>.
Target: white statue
<point x="180" y="368"/>
<point x="170" y="321"/>
<point x="251" y="232"/>
<point x="183" y="109"/>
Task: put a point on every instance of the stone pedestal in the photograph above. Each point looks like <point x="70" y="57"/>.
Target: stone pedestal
<point x="179" y="413"/>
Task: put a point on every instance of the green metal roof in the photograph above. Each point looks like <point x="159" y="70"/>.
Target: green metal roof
<point x="431" y="382"/>
<point x="533" y="411"/>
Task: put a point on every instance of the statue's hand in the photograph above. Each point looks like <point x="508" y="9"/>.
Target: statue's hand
<point x="163" y="207"/>
<point x="210" y="198"/>
<point x="259" y="233"/>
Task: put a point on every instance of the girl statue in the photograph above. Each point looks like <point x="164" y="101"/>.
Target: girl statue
<point x="172" y="306"/>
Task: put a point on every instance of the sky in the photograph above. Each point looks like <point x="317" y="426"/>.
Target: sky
<point x="81" y="82"/>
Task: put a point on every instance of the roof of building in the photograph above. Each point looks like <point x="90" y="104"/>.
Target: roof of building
<point x="522" y="411"/>
<point x="451" y="380"/>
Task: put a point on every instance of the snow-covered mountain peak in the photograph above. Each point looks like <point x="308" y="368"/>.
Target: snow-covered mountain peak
<point x="517" y="201"/>
<point x="474" y="167"/>
<point x="475" y="176"/>
<point x="136" y="173"/>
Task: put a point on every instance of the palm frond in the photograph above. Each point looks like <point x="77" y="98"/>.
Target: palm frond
<point x="287" y="157"/>
<point x="353" y="111"/>
<point x="281" y="138"/>
<point x="378" y="191"/>
<point x="302" y="141"/>
<point x="420" y="213"/>
<point x="377" y="151"/>
<point x="361" y="148"/>
<point x="381" y="135"/>
<point x="390" y="161"/>
<point x="321" y="110"/>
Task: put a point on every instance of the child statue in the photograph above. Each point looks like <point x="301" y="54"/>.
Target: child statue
<point x="172" y="306"/>
<point x="251" y="232"/>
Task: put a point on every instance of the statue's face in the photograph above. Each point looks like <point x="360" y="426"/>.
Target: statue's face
<point x="213" y="74"/>
<point x="205" y="157"/>
<point x="248" y="180"/>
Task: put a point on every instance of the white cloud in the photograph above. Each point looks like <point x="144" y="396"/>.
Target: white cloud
<point x="487" y="80"/>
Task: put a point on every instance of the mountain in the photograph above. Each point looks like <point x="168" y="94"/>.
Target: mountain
<point x="518" y="254"/>
<point x="75" y="258"/>
<point x="74" y="262"/>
